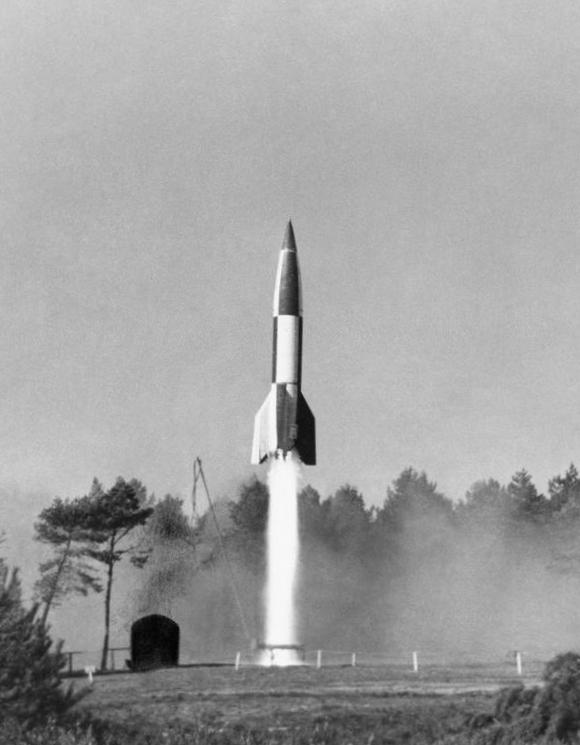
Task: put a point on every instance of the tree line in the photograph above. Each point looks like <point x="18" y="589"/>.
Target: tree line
<point x="343" y="522"/>
<point x="346" y="544"/>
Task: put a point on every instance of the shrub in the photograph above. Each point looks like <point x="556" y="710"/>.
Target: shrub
<point x="550" y="714"/>
<point x="13" y="732"/>
<point x="30" y="687"/>
<point x="557" y="706"/>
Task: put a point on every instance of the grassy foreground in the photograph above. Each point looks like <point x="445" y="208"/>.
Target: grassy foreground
<point x="282" y="703"/>
<point x="259" y="706"/>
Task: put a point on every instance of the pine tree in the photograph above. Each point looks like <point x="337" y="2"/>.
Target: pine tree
<point x="347" y="521"/>
<point x="173" y="544"/>
<point x="526" y="500"/>
<point x="30" y="686"/>
<point x="565" y="492"/>
<point x="249" y="515"/>
<point x="111" y="517"/>
<point x="61" y="526"/>
<point x="412" y="497"/>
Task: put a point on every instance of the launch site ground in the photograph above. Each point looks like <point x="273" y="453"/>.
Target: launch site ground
<point x="417" y="707"/>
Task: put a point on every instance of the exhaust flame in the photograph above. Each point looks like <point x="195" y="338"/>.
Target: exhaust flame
<point x="283" y="547"/>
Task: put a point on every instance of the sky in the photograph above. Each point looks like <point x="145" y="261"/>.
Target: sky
<point x="151" y="154"/>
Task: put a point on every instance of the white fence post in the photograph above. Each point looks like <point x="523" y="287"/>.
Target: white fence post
<point x="519" y="662"/>
<point x="89" y="670"/>
<point x="353" y="659"/>
<point x="238" y="659"/>
<point x="319" y="659"/>
<point x="415" y="662"/>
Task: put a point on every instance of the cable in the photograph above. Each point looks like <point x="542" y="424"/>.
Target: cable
<point x="233" y="580"/>
<point x="196" y="474"/>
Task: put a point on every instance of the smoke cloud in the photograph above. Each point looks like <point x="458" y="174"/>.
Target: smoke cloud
<point x="479" y="579"/>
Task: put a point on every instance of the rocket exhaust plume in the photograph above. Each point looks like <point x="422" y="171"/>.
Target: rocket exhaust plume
<point x="284" y="433"/>
<point x="282" y="556"/>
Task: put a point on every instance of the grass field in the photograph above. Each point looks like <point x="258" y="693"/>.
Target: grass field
<point x="362" y="704"/>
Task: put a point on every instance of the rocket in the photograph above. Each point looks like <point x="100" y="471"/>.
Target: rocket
<point x="284" y="421"/>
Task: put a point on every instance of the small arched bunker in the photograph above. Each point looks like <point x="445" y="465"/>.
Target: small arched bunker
<point x="154" y="642"/>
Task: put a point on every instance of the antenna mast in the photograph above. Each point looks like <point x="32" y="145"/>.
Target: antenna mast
<point x="198" y="475"/>
<point x="196" y="478"/>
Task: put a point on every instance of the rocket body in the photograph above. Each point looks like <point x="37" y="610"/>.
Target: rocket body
<point x="284" y="421"/>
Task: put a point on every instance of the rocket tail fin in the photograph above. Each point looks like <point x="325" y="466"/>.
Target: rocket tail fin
<point x="306" y="440"/>
<point x="264" y="441"/>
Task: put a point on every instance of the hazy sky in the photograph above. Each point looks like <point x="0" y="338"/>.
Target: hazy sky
<point x="151" y="153"/>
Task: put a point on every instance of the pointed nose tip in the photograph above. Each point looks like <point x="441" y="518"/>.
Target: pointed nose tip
<point x="289" y="242"/>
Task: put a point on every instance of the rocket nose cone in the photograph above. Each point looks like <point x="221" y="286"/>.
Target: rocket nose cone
<point x="289" y="242"/>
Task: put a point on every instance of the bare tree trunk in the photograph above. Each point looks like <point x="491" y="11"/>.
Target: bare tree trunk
<point x="105" y="652"/>
<point x="53" y="589"/>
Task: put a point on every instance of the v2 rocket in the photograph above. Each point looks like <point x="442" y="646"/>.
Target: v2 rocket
<point x="284" y="421"/>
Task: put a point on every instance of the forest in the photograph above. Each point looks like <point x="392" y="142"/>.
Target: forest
<point x="494" y="572"/>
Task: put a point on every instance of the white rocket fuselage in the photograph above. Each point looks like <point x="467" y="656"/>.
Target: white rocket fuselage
<point x="285" y="422"/>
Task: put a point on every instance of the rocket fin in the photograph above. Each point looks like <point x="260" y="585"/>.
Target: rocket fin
<point x="264" y="441"/>
<point x="306" y="439"/>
